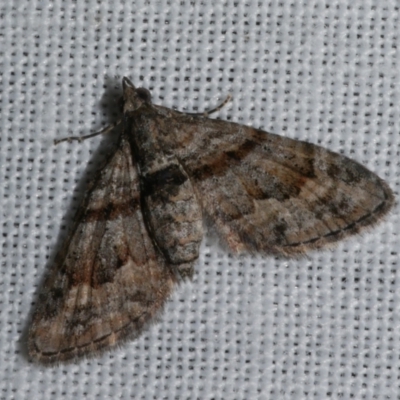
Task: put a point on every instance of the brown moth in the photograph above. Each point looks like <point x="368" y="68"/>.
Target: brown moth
<point x="140" y="226"/>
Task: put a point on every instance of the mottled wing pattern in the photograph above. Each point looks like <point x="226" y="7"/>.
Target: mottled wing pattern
<point x="271" y="194"/>
<point x="109" y="280"/>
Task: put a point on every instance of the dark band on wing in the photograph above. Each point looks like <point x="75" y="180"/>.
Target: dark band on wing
<point x="172" y="175"/>
<point x="111" y="211"/>
<point x="219" y="165"/>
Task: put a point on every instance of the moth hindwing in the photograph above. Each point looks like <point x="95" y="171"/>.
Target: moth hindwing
<point x="141" y="224"/>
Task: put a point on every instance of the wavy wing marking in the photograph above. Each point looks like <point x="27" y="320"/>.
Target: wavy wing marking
<point x="108" y="281"/>
<point x="266" y="193"/>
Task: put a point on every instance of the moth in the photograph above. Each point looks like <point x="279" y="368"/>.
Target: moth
<point x="139" y="229"/>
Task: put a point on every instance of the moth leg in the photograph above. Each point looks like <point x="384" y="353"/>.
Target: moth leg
<point x="213" y="110"/>
<point x="103" y="131"/>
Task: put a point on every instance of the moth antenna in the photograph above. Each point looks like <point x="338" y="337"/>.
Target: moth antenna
<point x="213" y="110"/>
<point x="103" y="131"/>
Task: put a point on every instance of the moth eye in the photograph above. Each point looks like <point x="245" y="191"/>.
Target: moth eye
<point x="144" y="94"/>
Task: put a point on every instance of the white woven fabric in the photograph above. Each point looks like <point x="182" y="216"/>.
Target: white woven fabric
<point x="326" y="326"/>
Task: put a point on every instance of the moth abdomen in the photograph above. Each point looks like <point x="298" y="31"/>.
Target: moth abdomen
<point x="174" y="213"/>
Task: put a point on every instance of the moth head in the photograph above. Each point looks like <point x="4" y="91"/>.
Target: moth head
<point x="134" y="98"/>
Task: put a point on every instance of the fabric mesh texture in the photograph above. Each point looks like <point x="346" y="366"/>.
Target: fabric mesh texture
<point x="324" y="326"/>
